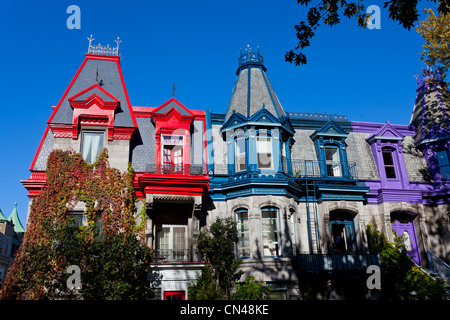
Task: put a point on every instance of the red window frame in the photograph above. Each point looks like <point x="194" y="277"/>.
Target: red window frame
<point x="174" y="295"/>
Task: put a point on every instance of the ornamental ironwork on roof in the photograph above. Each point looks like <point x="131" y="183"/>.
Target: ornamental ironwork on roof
<point x="103" y="50"/>
<point x="248" y="56"/>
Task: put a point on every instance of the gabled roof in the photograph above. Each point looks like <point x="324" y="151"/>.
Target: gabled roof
<point x="387" y="132"/>
<point x="330" y="129"/>
<point x="173" y="104"/>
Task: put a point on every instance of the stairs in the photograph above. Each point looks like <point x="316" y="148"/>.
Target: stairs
<point x="438" y="269"/>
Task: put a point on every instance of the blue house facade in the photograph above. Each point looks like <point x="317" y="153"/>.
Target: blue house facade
<point x="302" y="188"/>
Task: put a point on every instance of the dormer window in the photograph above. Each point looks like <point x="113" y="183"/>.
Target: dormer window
<point x="240" y="154"/>
<point x="264" y="151"/>
<point x="91" y="145"/>
<point x="389" y="164"/>
<point x="333" y="162"/>
<point x="172" y="153"/>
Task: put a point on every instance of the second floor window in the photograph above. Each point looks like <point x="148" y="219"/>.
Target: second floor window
<point x="91" y="145"/>
<point x="264" y="150"/>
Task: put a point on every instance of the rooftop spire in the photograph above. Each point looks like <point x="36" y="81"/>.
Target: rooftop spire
<point x="252" y="90"/>
<point x="14" y="218"/>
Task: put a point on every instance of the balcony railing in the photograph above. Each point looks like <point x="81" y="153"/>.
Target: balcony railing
<point x="335" y="262"/>
<point x="176" y="256"/>
<point x="324" y="169"/>
<point x="195" y="169"/>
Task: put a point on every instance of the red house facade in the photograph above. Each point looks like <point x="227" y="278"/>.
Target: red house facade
<point x="165" y="146"/>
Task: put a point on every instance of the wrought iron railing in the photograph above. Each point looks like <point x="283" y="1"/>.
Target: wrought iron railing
<point x="334" y="262"/>
<point x="177" y="256"/>
<point x="194" y="169"/>
<point x="438" y="266"/>
<point x="324" y="169"/>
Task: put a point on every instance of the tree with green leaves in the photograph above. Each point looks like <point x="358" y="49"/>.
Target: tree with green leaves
<point x="251" y="289"/>
<point x="435" y="30"/>
<point x="108" y="250"/>
<point x="401" y="279"/>
<point x="216" y="245"/>
<point x="329" y="12"/>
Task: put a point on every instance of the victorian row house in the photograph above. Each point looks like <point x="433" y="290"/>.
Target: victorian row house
<point x="301" y="186"/>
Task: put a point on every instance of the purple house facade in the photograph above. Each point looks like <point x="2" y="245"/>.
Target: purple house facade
<point x="411" y="194"/>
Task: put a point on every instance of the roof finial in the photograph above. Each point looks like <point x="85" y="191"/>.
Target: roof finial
<point x="173" y="90"/>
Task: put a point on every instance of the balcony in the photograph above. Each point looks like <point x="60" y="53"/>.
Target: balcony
<point x="190" y="170"/>
<point x="177" y="256"/>
<point x="336" y="262"/>
<point x="324" y="169"/>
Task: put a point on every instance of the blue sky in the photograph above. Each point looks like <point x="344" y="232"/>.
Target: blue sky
<point x="365" y="74"/>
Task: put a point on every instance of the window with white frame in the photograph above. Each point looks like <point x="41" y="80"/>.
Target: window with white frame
<point x="243" y="244"/>
<point x="270" y="232"/>
<point x="264" y="151"/>
<point x="91" y="145"/>
<point x="333" y="162"/>
<point x="171" y="242"/>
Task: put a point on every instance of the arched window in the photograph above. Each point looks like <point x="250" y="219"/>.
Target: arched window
<point x="271" y="232"/>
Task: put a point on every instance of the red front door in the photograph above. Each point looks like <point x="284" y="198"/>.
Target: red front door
<point x="174" y="295"/>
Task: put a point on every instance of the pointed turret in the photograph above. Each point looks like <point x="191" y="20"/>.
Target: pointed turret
<point x="14" y="218"/>
<point x="252" y="90"/>
<point x="432" y="106"/>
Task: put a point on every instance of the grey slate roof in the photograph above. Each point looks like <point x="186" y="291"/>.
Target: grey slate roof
<point x="253" y="90"/>
<point x="109" y="76"/>
<point x="143" y="145"/>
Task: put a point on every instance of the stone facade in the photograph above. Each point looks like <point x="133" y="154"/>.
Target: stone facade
<point x="306" y="187"/>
